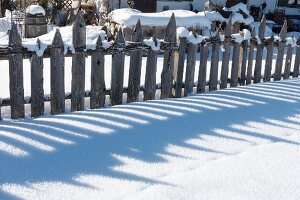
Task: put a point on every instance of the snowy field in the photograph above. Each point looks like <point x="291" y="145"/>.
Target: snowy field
<point x="238" y="143"/>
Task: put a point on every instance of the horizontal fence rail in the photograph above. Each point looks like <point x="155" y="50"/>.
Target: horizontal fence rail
<point x="179" y="55"/>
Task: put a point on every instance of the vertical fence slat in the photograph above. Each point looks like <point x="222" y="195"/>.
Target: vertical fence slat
<point x="213" y="76"/>
<point x="244" y="62"/>
<point x="37" y="88"/>
<point x="202" y="69"/>
<point x="179" y="59"/>
<point x="288" y="62"/>
<point x="226" y="55"/>
<point x="280" y="53"/>
<point x="235" y="65"/>
<point x="16" y="75"/>
<point x="190" y="68"/>
<point x="57" y="71"/>
<point x="117" y="76"/>
<point x="97" y="77"/>
<point x="134" y="81"/>
<point x="78" y="65"/>
<point x="297" y="60"/>
<point x="269" y="59"/>
<point x="150" y="77"/>
<point x="259" y="53"/>
<point x="167" y="73"/>
<point x="250" y="58"/>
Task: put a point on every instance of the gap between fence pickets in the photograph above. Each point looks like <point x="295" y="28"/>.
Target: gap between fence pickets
<point x="171" y="78"/>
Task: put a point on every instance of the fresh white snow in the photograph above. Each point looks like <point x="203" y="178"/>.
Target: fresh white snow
<point x="239" y="143"/>
<point x="128" y="18"/>
<point x="35" y="9"/>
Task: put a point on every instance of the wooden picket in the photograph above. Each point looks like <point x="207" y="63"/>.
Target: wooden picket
<point x="250" y="58"/>
<point x="204" y="51"/>
<point x="37" y="86"/>
<point x="190" y="68"/>
<point x="150" y="77"/>
<point x="269" y="59"/>
<point x="117" y="72"/>
<point x="259" y="53"/>
<point x="16" y="75"/>
<point x="135" y="66"/>
<point x="226" y="54"/>
<point x="57" y="71"/>
<point x="179" y="59"/>
<point x="280" y="53"/>
<point x="97" y="77"/>
<point x="213" y="78"/>
<point x="297" y="60"/>
<point x="167" y="73"/>
<point x="78" y="65"/>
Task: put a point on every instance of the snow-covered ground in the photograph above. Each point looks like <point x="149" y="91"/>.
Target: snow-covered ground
<point x="238" y="143"/>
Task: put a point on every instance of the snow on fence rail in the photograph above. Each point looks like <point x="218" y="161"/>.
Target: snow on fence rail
<point x="173" y="66"/>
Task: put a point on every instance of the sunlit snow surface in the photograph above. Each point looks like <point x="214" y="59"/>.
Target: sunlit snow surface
<point x="240" y="143"/>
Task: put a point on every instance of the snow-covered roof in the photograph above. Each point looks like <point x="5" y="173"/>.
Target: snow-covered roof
<point x="128" y="18"/>
<point x="236" y="14"/>
<point x="35" y="9"/>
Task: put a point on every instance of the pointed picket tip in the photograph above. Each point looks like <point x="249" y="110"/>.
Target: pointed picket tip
<point x="14" y="36"/>
<point x="170" y="35"/>
<point x="57" y="40"/>
<point x="228" y="27"/>
<point x="99" y="43"/>
<point x="38" y="42"/>
<point x="283" y="30"/>
<point x="137" y="35"/>
<point x="80" y="21"/>
<point x="262" y="27"/>
<point x="120" y="36"/>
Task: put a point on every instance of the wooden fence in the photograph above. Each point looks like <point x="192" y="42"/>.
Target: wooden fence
<point x="175" y="57"/>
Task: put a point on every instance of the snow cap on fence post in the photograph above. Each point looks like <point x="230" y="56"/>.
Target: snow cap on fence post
<point x="137" y="35"/>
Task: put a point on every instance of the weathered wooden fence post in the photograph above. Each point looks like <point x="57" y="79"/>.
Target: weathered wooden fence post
<point x="150" y="77"/>
<point x="135" y="66"/>
<point x="57" y="74"/>
<point x="213" y="77"/>
<point x="235" y="64"/>
<point x="250" y="58"/>
<point x="204" y="51"/>
<point x="226" y="54"/>
<point x="117" y="76"/>
<point x="244" y="62"/>
<point x="297" y="60"/>
<point x="259" y="53"/>
<point x="16" y="75"/>
<point x="280" y="54"/>
<point x="37" y="88"/>
<point x="179" y="59"/>
<point x="167" y="73"/>
<point x="78" y="64"/>
<point x="269" y="59"/>
<point x="97" y="77"/>
<point x="190" y="67"/>
<point x="288" y="62"/>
